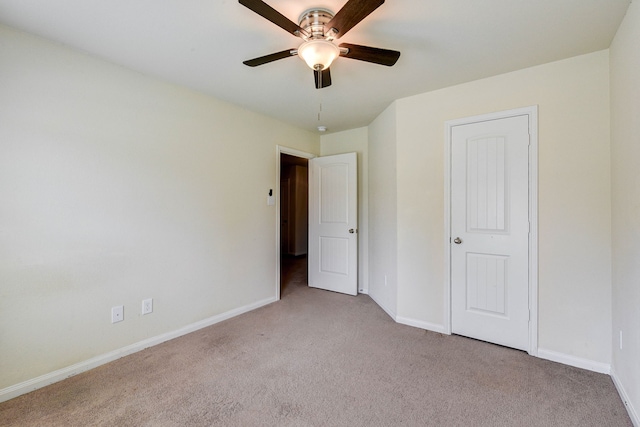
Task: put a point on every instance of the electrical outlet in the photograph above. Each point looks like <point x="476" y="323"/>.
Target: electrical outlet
<point x="147" y="306"/>
<point x="117" y="314"/>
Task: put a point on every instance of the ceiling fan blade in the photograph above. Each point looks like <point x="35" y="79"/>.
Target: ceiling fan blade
<point x="322" y="78"/>
<point x="270" y="14"/>
<point x="351" y="14"/>
<point x="371" y="54"/>
<point x="270" y="58"/>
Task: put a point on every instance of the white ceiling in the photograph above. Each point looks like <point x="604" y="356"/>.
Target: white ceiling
<point x="202" y="43"/>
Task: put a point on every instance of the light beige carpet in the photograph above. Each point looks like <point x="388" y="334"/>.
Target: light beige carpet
<point x="322" y="359"/>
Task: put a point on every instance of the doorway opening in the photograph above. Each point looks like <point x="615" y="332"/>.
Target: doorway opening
<point x="294" y="220"/>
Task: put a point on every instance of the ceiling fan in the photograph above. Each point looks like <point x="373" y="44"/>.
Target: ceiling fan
<point x="318" y="27"/>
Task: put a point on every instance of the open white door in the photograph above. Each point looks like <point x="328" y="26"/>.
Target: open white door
<point x="333" y="216"/>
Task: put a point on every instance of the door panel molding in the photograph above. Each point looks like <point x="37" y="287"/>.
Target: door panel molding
<point x="532" y="115"/>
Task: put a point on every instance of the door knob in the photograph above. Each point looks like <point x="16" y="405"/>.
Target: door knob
<point x="457" y="241"/>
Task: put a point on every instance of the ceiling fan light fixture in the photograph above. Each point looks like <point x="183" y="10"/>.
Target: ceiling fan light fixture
<point x="318" y="53"/>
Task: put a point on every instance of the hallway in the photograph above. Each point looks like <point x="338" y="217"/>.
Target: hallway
<point x="293" y="273"/>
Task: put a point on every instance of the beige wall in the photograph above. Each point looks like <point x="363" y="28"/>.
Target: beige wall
<point x="117" y="187"/>
<point x="355" y="141"/>
<point x="574" y="197"/>
<point x="625" y="141"/>
<point x="383" y="221"/>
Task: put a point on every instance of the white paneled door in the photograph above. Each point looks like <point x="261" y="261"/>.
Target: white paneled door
<point x="490" y="231"/>
<point x="333" y="216"/>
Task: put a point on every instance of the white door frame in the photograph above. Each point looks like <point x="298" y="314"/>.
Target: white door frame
<point x="292" y="152"/>
<point x="532" y="113"/>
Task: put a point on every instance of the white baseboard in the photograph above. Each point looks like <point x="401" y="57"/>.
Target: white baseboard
<point x="387" y="310"/>
<point x="421" y="324"/>
<point x="633" y="414"/>
<point x="578" y="362"/>
<point x="408" y="321"/>
<point x="60" y="374"/>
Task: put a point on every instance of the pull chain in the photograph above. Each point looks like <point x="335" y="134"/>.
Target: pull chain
<point x="321" y="127"/>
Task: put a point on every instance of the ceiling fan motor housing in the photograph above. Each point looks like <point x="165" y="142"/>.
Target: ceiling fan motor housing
<point x="313" y="21"/>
